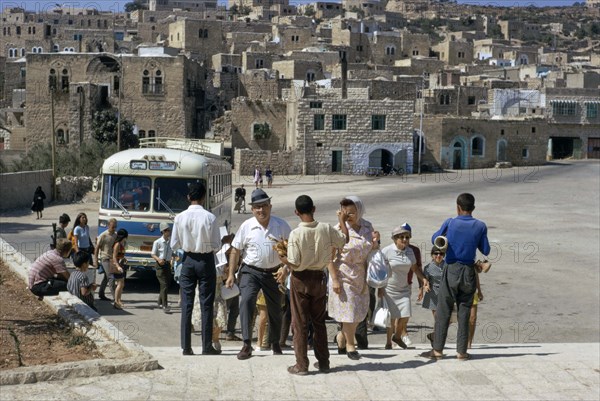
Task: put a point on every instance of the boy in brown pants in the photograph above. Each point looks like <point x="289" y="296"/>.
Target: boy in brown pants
<point x="311" y="247"/>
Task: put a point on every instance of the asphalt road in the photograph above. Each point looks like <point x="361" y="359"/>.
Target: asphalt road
<point x="544" y="226"/>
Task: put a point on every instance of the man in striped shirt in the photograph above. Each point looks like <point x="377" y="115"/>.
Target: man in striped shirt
<point x="48" y="275"/>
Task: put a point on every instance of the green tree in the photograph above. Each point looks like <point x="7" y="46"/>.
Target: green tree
<point x="134" y="5"/>
<point x="85" y="160"/>
<point x="309" y="11"/>
<point x="104" y="129"/>
<point x="262" y="131"/>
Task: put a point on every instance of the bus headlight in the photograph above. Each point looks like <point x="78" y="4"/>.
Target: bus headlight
<point x="102" y="223"/>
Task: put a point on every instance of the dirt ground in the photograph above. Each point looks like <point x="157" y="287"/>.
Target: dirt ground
<point x="31" y="333"/>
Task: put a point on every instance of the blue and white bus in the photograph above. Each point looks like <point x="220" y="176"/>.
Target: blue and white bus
<point x="144" y="187"/>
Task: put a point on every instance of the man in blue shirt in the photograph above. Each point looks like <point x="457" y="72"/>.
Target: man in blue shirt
<point x="465" y="236"/>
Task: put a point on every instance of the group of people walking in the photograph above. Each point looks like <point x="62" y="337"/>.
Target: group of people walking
<point x="326" y="265"/>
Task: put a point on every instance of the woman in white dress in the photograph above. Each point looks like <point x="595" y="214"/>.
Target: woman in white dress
<point x="397" y="292"/>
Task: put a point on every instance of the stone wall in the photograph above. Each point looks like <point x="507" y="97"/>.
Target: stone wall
<point x="282" y="163"/>
<point x="71" y="189"/>
<point x="18" y="188"/>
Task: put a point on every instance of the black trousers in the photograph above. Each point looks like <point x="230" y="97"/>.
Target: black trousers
<point x="50" y="287"/>
<point x="251" y="281"/>
<point x="197" y="269"/>
<point x="458" y="287"/>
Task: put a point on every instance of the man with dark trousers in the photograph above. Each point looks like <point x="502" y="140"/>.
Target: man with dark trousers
<point x="260" y="269"/>
<point x="311" y="249"/>
<point x="195" y="231"/>
<point x="465" y="236"/>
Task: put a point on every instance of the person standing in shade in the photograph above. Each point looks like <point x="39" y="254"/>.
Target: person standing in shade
<point x="38" y="202"/>
<point x="311" y="248"/>
<point x="269" y="175"/>
<point x="102" y="255"/>
<point x="161" y="253"/>
<point x="195" y="231"/>
<point x="63" y="222"/>
<point x="465" y="236"/>
<point x="261" y="268"/>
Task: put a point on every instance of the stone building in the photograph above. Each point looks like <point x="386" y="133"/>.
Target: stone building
<point x="308" y="71"/>
<point x="455" y="52"/>
<point x="349" y="135"/>
<point x="55" y="31"/>
<point x="187" y="5"/>
<point x="162" y="94"/>
<point x="322" y="9"/>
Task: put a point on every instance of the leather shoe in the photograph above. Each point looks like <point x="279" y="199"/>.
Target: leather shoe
<point x="103" y="298"/>
<point x="354" y="355"/>
<point x="295" y="370"/>
<point x="324" y="369"/>
<point x="399" y="342"/>
<point x="188" y="351"/>
<point x="276" y="349"/>
<point x="211" y="351"/>
<point x="245" y="353"/>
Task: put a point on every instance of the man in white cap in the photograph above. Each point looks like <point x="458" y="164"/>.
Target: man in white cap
<point x="161" y="253"/>
<point x="260" y="269"/>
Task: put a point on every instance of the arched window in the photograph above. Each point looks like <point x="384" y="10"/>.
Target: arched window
<point x="29" y="30"/>
<point x="18" y="30"/>
<point x="390" y="50"/>
<point x="501" y="151"/>
<point x="141" y="134"/>
<point x="10" y="53"/>
<point x="64" y="81"/>
<point x="310" y="75"/>
<point x="52" y="79"/>
<point x="477" y="146"/>
<point x="23" y="52"/>
<point x="152" y="82"/>
<point x="55" y="48"/>
<point x="62" y="138"/>
<point x="33" y="30"/>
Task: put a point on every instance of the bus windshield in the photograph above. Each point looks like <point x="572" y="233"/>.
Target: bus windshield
<point x="130" y="192"/>
<point x="170" y="194"/>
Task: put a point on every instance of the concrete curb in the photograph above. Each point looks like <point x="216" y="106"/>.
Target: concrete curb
<point x="122" y="354"/>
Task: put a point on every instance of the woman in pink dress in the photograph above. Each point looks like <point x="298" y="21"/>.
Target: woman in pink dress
<point x="348" y="291"/>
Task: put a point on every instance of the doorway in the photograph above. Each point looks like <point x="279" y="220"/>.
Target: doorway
<point x="457" y="153"/>
<point x="336" y="161"/>
<point x="566" y="147"/>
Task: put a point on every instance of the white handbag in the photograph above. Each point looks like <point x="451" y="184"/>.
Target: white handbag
<point x="382" y="316"/>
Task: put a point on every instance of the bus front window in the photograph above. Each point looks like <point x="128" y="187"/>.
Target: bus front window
<point x="170" y="194"/>
<point x="128" y="192"/>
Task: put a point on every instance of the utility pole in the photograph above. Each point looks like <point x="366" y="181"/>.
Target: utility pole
<point x="119" y="103"/>
<point x="54" y="189"/>
<point x="421" y="125"/>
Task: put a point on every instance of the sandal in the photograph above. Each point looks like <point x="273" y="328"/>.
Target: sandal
<point x="431" y="355"/>
<point x="463" y="357"/>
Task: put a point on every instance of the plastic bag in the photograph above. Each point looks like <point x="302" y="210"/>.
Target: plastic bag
<point x="378" y="269"/>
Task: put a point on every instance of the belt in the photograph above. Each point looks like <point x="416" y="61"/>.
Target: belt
<point x="197" y="253"/>
<point x="260" y="269"/>
<point x="308" y="273"/>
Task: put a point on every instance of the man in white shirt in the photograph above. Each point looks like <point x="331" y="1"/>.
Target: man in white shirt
<point x="260" y="269"/>
<point x="161" y="253"/>
<point x="195" y="231"/>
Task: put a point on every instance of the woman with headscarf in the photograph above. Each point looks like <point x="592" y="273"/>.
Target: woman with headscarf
<point x="117" y="266"/>
<point x="348" y="301"/>
<point x="38" y="202"/>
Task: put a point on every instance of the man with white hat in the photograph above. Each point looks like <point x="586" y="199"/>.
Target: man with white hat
<point x="260" y="269"/>
<point x="162" y="253"/>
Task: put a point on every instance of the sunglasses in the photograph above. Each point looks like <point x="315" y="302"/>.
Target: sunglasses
<point x="401" y="237"/>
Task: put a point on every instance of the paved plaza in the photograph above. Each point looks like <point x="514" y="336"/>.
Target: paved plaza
<point x="538" y="328"/>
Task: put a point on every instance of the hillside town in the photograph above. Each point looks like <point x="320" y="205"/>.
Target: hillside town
<point x="325" y="87"/>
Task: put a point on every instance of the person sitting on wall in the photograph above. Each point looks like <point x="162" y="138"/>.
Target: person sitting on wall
<point x="48" y="275"/>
